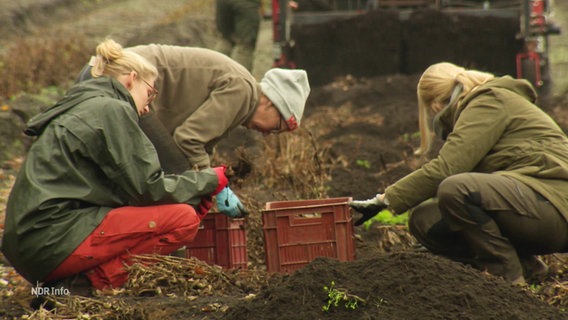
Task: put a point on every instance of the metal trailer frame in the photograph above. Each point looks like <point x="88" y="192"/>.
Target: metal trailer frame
<point x="532" y="62"/>
<point x="535" y="27"/>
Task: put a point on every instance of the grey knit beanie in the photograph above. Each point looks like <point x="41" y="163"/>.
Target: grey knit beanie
<point x="288" y="90"/>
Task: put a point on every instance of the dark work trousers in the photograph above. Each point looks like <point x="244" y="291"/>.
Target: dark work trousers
<point x="489" y="221"/>
<point x="172" y="159"/>
<point x="238" y="22"/>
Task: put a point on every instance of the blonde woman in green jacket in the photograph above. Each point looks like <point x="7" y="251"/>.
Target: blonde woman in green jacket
<point x="498" y="187"/>
<point x="91" y="192"/>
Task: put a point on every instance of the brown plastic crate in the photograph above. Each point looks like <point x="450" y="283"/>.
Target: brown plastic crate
<point x="221" y="241"/>
<point x="296" y="232"/>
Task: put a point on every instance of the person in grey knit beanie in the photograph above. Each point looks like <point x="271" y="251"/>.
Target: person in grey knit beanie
<point x="288" y="91"/>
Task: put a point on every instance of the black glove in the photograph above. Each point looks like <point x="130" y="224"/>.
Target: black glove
<point x="369" y="208"/>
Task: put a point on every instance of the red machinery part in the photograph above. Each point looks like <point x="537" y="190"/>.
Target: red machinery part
<point x="528" y="67"/>
<point x="282" y="51"/>
<point x="537" y="13"/>
<point x="276" y="21"/>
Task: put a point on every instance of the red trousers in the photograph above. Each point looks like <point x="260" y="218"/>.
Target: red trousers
<point x="129" y="231"/>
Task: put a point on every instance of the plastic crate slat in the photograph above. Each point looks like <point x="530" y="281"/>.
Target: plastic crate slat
<point x="296" y="232"/>
<point x="220" y="241"/>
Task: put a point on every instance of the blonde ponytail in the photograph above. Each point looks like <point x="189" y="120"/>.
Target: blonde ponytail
<point x="112" y="60"/>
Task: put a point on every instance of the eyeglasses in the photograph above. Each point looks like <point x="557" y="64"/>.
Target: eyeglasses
<point x="153" y="94"/>
<point x="278" y="127"/>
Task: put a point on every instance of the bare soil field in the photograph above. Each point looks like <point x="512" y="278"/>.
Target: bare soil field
<point x="356" y="138"/>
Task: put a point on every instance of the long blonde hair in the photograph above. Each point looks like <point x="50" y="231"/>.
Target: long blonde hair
<point x="435" y="89"/>
<point x="111" y="60"/>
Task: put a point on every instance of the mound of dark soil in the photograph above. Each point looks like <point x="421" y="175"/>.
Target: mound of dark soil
<point x="397" y="286"/>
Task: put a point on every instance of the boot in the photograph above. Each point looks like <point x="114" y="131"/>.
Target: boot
<point x="520" y="281"/>
<point x="494" y="252"/>
<point x="534" y="269"/>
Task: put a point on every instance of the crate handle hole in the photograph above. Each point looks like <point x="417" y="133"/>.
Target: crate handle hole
<point x="309" y="215"/>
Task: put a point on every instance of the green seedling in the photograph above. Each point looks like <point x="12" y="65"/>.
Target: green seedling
<point x="335" y="296"/>
<point x="410" y="136"/>
<point x="363" y="163"/>
<point x="379" y="302"/>
<point x="387" y="218"/>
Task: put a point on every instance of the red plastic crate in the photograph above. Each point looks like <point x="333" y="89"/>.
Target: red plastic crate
<point x="296" y="232"/>
<point x="221" y="241"/>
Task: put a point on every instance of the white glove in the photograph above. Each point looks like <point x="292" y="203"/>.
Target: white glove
<point x="369" y="208"/>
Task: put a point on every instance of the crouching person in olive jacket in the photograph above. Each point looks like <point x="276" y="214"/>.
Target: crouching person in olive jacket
<point x="499" y="184"/>
<point x="91" y="191"/>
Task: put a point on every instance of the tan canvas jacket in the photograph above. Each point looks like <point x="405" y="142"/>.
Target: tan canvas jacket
<point x="203" y="95"/>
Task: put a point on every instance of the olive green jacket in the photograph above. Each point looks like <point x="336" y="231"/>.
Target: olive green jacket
<point x="203" y="95"/>
<point x="90" y="157"/>
<point x="494" y="129"/>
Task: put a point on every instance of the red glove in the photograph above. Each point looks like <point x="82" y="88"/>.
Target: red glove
<point x="222" y="178"/>
<point x="204" y="206"/>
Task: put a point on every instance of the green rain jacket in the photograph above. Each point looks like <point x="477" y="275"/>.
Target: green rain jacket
<point x="494" y="129"/>
<point x="90" y="157"/>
